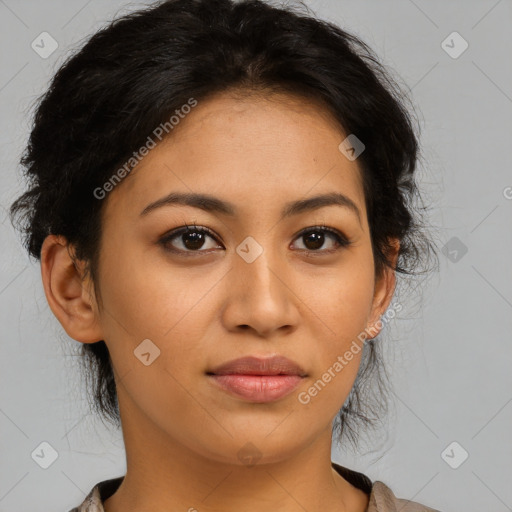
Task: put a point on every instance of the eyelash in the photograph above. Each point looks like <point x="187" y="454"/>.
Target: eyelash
<point x="341" y="240"/>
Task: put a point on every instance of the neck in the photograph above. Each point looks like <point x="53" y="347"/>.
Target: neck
<point x="163" y="473"/>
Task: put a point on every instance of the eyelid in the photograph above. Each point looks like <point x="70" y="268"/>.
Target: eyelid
<point x="174" y="233"/>
<point x="322" y="227"/>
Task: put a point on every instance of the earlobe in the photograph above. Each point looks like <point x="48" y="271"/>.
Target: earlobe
<point x="65" y="292"/>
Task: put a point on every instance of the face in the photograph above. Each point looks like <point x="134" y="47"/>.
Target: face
<point x="253" y="278"/>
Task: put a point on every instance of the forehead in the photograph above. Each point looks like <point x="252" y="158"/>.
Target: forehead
<point x="251" y="148"/>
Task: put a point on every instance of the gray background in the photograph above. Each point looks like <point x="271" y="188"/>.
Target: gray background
<point x="449" y="359"/>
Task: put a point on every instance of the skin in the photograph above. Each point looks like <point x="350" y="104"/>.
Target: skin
<point x="182" y="434"/>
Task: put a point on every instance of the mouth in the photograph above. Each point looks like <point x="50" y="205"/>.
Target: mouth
<point x="257" y="388"/>
<point x="258" y="379"/>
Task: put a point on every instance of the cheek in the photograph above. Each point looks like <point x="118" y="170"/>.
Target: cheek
<point x="149" y="297"/>
<point x="149" y="300"/>
<point x="343" y="298"/>
<point x="150" y="309"/>
<point x="343" y="304"/>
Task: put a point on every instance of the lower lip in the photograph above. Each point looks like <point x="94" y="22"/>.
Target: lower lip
<point x="258" y="388"/>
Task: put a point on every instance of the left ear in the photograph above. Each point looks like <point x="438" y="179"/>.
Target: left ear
<point x="384" y="289"/>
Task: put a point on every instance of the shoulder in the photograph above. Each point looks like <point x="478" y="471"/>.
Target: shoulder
<point x="93" y="502"/>
<point x="382" y="499"/>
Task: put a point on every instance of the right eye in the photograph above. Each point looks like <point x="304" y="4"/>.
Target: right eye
<point x="191" y="239"/>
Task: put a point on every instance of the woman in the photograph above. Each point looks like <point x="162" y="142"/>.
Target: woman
<point x="221" y="198"/>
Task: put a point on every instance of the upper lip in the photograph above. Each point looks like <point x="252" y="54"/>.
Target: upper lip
<point x="251" y="365"/>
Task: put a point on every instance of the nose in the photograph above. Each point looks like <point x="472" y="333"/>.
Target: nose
<point x="260" y="296"/>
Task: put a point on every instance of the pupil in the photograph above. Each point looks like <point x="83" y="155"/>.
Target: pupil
<point x="316" y="239"/>
<point x="193" y="240"/>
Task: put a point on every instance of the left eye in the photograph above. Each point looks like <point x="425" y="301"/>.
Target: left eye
<point x="192" y="239"/>
<point x="315" y="238"/>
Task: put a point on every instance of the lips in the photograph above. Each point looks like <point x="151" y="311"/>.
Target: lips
<point x="276" y="365"/>
<point x="258" y="380"/>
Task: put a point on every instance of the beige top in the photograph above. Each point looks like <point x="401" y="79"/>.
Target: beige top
<point x="382" y="498"/>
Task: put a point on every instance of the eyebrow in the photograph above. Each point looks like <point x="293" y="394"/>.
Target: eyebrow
<point x="210" y="203"/>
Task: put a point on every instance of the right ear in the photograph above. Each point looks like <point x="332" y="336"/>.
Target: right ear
<point x="67" y="294"/>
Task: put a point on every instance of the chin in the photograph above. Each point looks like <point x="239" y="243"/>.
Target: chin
<point x="250" y="450"/>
